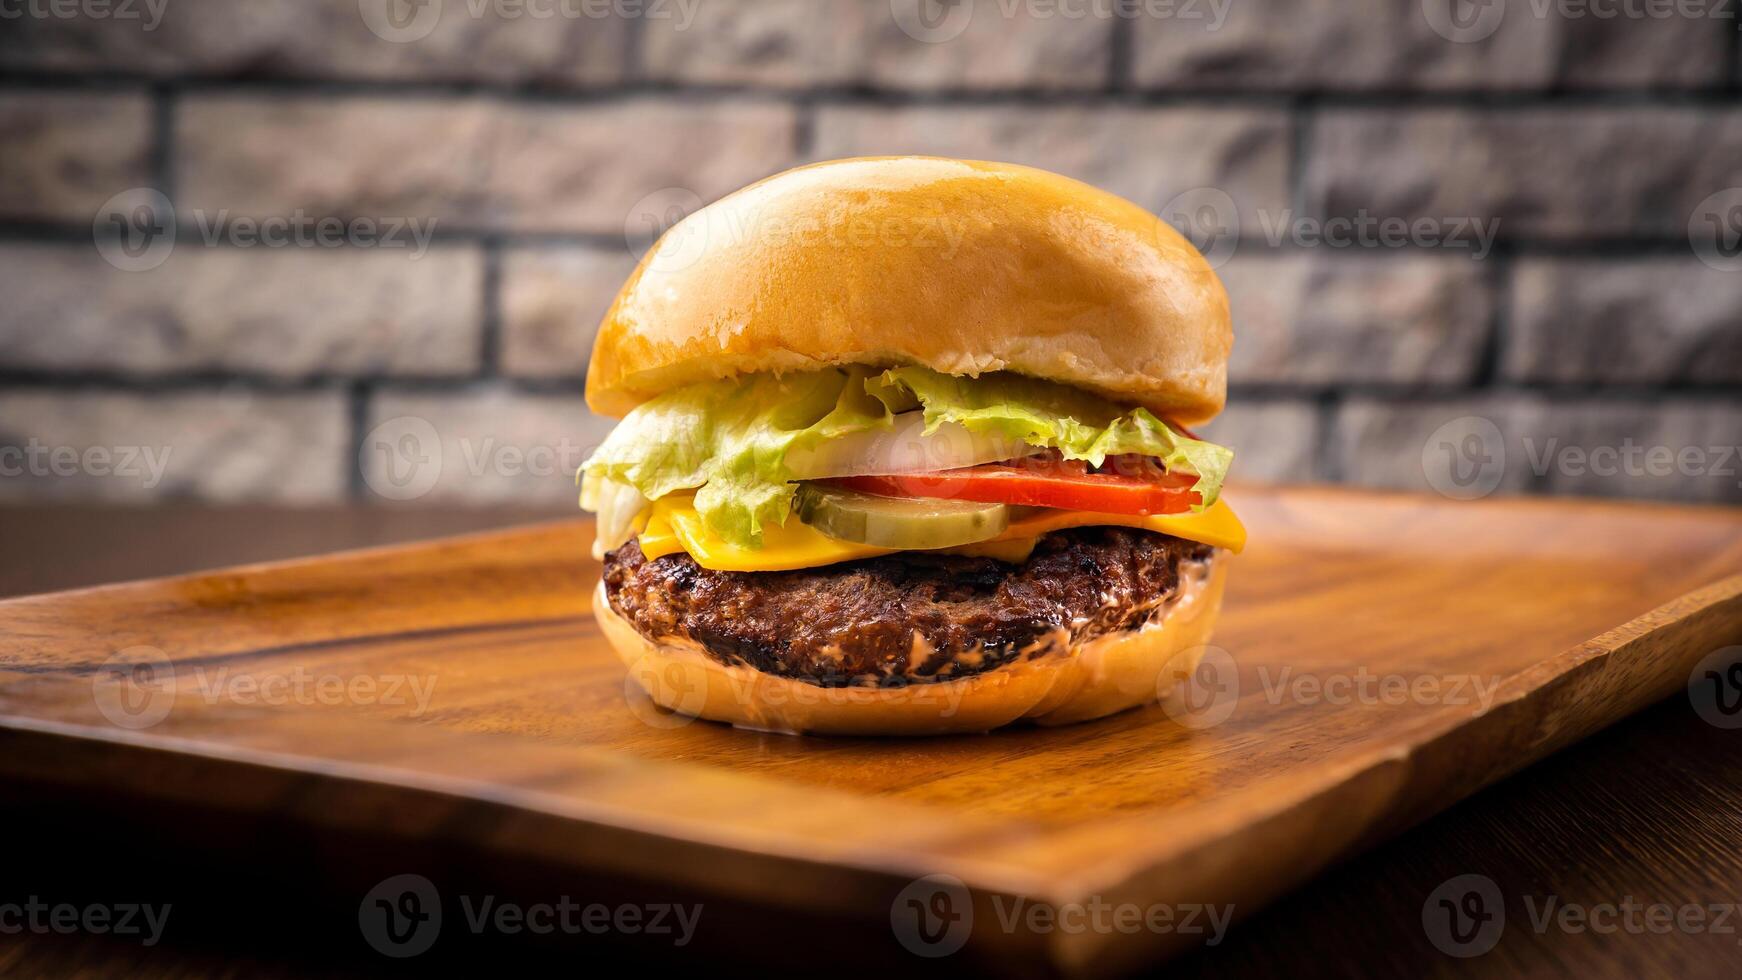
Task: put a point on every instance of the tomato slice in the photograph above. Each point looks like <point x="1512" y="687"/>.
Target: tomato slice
<point x="1062" y="486"/>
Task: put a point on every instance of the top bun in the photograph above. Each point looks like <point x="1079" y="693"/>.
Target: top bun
<point x="961" y="266"/>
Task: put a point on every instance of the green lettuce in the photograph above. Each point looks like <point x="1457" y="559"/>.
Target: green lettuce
<point x="729" y="440"/>
<point x="1079" y="425"/>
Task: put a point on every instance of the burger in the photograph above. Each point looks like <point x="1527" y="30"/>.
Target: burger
<point x="904" y="451"/>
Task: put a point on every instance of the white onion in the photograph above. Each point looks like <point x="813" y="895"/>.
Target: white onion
<point x="617" y="504"/>
<point x="904" y="448"/>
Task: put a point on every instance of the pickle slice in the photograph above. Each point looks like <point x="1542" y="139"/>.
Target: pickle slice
<point x="905" y="523"/>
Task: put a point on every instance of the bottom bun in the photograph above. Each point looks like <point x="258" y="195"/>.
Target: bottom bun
<point x="1089" y="680"/>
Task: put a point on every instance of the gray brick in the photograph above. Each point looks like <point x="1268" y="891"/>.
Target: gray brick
<point x="1145" y="155"/>
<point x="787" y="43"/>
<point x="472" y="162"/>
<point x="327" y="39"/>
<point x="68" y="152"/>
<point x="1564" y="173"/>
<point x="1670" y="449"/>
<point x="793" y="43"/>
<point x="1636" y="321"/>
<point x="1284" y="45"/>
<point x="553" y="300"/>
<point x="1328" y="317"/>
<point x="1382" y="443"/>
<point x="220" y="446"/>
<point x="485" y="446"/>
<point x="1273" y="441"/>
<point x="285" y="311"/>
<point x="999" y="45"/>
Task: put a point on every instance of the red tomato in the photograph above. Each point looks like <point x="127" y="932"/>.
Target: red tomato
<point x="1066" y="486"/>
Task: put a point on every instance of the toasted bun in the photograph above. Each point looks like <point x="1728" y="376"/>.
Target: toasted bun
<point x="960" y="266"/>
<point x="1090" y="680"/>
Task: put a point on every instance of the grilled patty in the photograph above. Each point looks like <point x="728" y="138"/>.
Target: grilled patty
<point x="909" y="617"/>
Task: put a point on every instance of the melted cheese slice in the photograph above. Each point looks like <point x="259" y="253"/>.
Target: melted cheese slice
<point x="673" y="525"/>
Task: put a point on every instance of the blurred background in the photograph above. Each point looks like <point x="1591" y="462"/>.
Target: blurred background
<point x="355" y="250"/>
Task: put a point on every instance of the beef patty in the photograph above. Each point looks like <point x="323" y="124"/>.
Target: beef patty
<point x="907" y="617"/>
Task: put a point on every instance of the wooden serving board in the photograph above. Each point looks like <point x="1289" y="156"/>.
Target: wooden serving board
<point x="1510" y="627"/>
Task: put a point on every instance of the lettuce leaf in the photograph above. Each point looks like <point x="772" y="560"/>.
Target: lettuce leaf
<point x="729" y="440"/>
<point x="1041" y="413"/>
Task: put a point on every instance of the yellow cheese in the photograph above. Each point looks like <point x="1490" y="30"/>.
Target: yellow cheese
<point x="675" y="526"/>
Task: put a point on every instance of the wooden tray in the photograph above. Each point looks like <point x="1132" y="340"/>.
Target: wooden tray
<point x="1512" y="628"/>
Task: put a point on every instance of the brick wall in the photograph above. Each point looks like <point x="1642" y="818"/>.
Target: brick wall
<point x="1489" y="251"/>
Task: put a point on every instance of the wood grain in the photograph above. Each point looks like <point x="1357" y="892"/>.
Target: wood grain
<point x="1580" y="613"/>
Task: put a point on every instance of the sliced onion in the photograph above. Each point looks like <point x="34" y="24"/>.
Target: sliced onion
<point x="617" y="504"/>
<point x="903" y="448"/>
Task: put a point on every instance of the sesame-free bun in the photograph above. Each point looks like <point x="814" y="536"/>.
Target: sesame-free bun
<point x="1088" y="680"/>
<point x="961" y="266"/>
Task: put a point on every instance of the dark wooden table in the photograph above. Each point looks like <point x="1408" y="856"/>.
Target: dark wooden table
<point x="1648" y="813"/>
